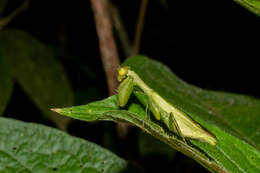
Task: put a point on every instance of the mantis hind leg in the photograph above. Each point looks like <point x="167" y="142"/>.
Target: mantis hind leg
<point x="174" y="125"/>
<point x="147" y="112"/>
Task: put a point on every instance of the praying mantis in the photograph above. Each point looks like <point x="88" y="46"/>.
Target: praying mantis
<point x="175" y="119"/>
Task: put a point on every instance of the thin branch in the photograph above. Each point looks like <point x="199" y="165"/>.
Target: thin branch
<point x="121" y="31"/>
<point x="107" y="45"/>
<point x="4" y="21"/>
<point x="108" y="49"/>
<point x="139" y="27"/>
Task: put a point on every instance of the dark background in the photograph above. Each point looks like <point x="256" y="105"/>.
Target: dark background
<point x="211" y="44"/>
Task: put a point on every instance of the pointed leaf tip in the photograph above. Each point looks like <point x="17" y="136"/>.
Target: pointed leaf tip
<point x="56" y="110"/>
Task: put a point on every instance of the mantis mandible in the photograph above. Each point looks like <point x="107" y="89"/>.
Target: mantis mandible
<point x="175" y="119"/>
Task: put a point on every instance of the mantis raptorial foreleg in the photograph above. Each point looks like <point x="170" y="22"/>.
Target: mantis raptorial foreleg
<point x="147" y="111"/>
<point x="125" y="90"/>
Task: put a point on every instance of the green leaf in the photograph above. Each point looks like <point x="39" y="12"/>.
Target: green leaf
<point x="234" y="119"/>
<point x="237" y="114"/>
<point x="33" y="148"/>
<point x="92" y="111"/>
<point x="6" y="85"/>
<point x="38" y="72"/>
<point x="251" y="5"/>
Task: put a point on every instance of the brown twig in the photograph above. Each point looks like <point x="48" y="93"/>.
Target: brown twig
<point x="108" y="49"/>
<point x="121" y="31"/>
<point x="139" y="27"/>
<point x="4" y="21"/>
<point x="107" y="45"/>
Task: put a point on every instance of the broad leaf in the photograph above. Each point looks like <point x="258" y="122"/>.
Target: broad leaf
<point x="6" y="85"/>
<point x="251" y="5"/>
<point x="237" y="114"/>
<point x="37" y="71"/>
<point x="232" y="118"/>
<point x="33" y="148"/>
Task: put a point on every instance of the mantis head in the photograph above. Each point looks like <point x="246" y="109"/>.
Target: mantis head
<point x="122" y="73"/>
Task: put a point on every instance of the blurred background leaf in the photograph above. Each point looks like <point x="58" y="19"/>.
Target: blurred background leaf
<point x="38" y="72"/>
<point x="3" y="4"/>
<point x="6" y="85"/>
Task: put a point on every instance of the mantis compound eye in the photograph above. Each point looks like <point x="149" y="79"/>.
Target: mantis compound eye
<point x="122" y="73"/>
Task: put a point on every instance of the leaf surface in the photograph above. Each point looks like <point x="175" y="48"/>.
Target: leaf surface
<point x="232" y="118"/>
<point x="33" y="148"/>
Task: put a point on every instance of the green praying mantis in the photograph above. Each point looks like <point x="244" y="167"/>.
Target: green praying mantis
<point x="176" y="120"/>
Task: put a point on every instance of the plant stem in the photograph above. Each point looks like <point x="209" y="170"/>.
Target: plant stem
<point x="108" y="49"/>
<point x="139" y="27"/>
<point x="121" y="31"/>
<point x="4" y="21"/>
<point x="107" y="45"/>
